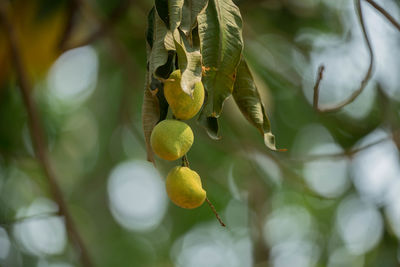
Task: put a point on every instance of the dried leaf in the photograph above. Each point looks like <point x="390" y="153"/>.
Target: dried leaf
<point x="150" y="117"/>
<point x="189" y="61"/>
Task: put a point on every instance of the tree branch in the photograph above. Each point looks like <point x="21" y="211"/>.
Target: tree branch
<point x="103" y="25"/>
<point x="68" y="28"/>
<point x="347" y="153"/>
<point x="28" y="218"/>
<point x="364" y="82"/>
<point x="384" y="13"/>
<point x="37" y="135"/>
<point x="321" y="70"/>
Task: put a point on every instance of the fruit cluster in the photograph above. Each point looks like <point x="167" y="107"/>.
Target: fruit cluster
<point x="172" y="139"/>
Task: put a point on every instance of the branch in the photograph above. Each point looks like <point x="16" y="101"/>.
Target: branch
<point x="37" y="135"/>
<point x="348" y="153"/>
<point x="321" y="70"/>
<point x="257" y="195"/>
<point x="364" y="82"/>
<point x="384" y="13"/>
<point x="68" y="28"/>
<point x="28" y="218"/>
<point x="103" y="25"/>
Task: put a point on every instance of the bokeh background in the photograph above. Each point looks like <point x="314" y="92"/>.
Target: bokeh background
<point x="333" y="199"/>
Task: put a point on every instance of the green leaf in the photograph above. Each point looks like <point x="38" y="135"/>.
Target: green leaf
<point x="211" y="126"/>
<point x="159" y="53"/>
<point x="170" y="12"/>
<point x="169" y="42"/>
<point x="220" y="32"/>
<point x="165" y="70"/>
<point x="175" y="13"/>
<point x="248" y="99"/>
<point x="150" y="28"/>
<point x="191" y="9"/>
<point x="189" y="61"/>
<point x="162" y="10"/>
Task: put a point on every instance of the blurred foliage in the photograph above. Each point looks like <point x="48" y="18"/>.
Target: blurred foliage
<point x="296" y="208"/>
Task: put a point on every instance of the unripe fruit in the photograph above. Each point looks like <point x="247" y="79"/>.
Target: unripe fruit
<point x="182" y="105"/>
<point x="184" y="188"/>
<point x="171" y="139"/>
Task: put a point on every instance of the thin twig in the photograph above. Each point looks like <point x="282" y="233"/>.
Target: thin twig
<point x="249" y="148"/>
<point x="215" y="212"/>
<point x="384" y="13"/>
<point x="257" y="196"/>
<point x="68" y="28"/>
<point x="28" y="218"/>
<point x="396" y="139"/>
<point x="364" y="82"/>
<point x="37" y="135"/>
<point x="321" y="70"/>
<point x="349" y="153"/>
<point x="101" y="29"/>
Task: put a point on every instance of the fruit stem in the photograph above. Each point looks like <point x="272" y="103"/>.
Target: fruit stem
<point x="185" y="161"/>
<point x="215" y="212"/>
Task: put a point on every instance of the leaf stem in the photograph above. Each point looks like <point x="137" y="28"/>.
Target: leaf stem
<point x="28" y="218"/>
<point x="185" y="161"/>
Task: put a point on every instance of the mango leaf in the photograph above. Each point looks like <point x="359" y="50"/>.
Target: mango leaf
<point x="211" y="126"/>
<point x="150" y="28"/>
<point x="159" y="54"/>
<point x="190" y="10"/>
<point x="150" y="117"/>
<point x="248" y="99"/>
<point x="165" y="70"/>
<point x="220" y="32"/>
<point x="169" y="42"/>
<point x="157" y="88"/>
<point x="162" y="10"/>
<point x="175" y="13"/>
<point x="170" y="12"/>
<point x="189" y="61"/>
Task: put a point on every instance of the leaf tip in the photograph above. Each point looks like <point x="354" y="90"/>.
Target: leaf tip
<point x="187" y="90"/>
<point x="210" y="124"/>
<point x="269" y="140"/>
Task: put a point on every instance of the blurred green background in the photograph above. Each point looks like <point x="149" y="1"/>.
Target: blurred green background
<point x="318" y="204"/>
